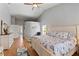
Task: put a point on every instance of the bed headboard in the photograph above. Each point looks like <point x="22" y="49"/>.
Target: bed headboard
<point x="77" y="31"/>
<point x="63" y="29"/>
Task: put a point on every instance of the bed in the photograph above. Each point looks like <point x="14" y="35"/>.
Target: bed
<point x="43" y="48"/>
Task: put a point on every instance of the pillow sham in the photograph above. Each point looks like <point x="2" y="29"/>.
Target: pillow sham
<point x="53" y="34"/>
<point x="62" y="35"/>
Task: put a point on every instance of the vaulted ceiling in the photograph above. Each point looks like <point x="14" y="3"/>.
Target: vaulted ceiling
<point x="26" y="10"/>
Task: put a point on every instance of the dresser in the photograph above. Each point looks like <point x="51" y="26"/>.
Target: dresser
<point x="6" y="41"/>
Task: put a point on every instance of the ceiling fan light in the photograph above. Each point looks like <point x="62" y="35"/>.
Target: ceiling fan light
<point x="35" y="5"/>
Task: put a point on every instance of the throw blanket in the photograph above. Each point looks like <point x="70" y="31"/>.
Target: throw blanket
<point x="63" y="48"/>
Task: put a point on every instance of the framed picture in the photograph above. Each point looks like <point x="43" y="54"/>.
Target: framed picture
<point x="4" y="28"/>
<point x="1" y="27"/>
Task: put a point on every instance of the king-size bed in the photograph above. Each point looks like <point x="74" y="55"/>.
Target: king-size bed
<point x="59" y="41"/>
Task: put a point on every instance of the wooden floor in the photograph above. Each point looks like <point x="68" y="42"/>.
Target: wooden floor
<point x="19" y="43"/>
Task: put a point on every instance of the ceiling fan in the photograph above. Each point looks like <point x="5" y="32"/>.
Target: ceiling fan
<point x="34" y="5"/>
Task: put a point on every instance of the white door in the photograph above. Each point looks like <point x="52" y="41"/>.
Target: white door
<point x="31" y="28"/>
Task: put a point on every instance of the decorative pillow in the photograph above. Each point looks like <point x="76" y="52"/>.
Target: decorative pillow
<point x="62" y="35"/>
<point x="53" y="34"/>
<point x="71" y="34"/>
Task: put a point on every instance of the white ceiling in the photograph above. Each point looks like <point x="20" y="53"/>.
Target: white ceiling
<point x="26" y="10"/>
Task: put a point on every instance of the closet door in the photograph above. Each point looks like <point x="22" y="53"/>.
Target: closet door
<point x="35" y="27"/>
<point x="31" y="28"/>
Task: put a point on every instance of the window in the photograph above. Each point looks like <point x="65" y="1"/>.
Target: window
<point x="44" y="29"/>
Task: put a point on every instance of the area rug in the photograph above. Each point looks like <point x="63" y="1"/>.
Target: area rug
<point x="22" y="52"/>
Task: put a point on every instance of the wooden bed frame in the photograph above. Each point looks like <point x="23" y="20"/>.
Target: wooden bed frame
<point x="42" y="51"/>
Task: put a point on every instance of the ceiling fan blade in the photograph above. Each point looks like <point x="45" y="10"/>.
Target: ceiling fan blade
<point x="28" y="3"/>
<point x="32" y="8"/>
<point x="31" y="3"/>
